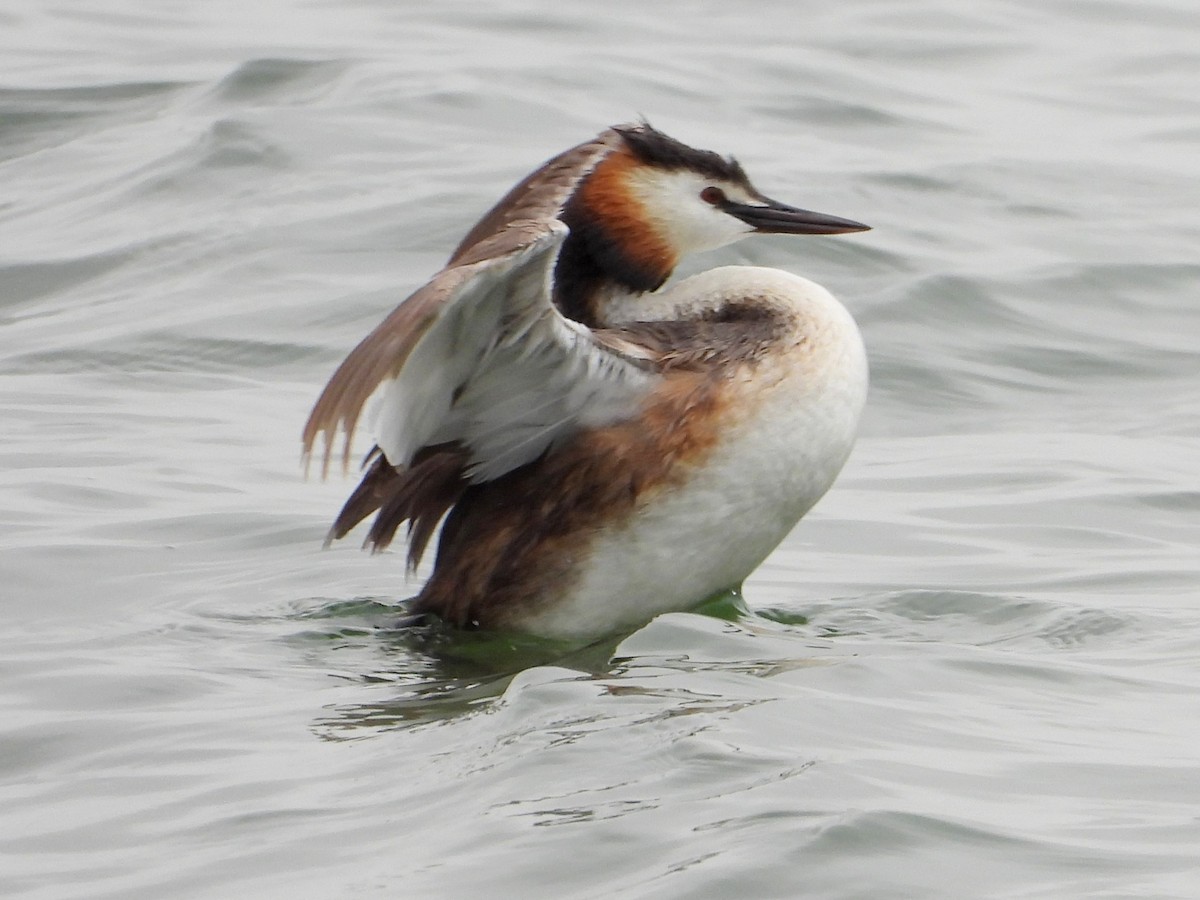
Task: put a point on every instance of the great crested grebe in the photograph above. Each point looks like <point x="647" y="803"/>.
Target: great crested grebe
<point x="602" y="451"/>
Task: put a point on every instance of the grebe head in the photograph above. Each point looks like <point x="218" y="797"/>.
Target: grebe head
<point x="698" y="200"/>
<point x="655" y="199"/>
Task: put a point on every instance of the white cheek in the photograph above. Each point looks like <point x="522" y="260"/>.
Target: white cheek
<point x="696" y="225"/>
<point x="672" y="202"/>
<point x="691" y="225"/>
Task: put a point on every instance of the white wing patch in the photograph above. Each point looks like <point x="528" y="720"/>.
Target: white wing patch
<point x="501" y="371"/>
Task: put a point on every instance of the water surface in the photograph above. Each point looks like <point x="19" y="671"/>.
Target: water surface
<point x="971" y="672"/>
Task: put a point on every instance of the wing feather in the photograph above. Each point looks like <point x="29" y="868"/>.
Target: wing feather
<point x="498" y="239"/>
<point x="481" y="357"/>
<point x="540" y="195"/>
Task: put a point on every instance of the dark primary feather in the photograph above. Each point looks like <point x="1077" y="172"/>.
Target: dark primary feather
<point x="378" y="483"/>
<point x="419" y="495"/>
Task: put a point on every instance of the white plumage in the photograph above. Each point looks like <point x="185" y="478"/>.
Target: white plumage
<point x="501" y="371"/>
<point x="602" y="450"/>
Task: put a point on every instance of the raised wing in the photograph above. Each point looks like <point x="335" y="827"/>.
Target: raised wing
<point x="480" y="357"/>
<point x="540" y="196"/>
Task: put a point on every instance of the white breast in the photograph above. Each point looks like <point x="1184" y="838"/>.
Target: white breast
<point x="793" y="422"/>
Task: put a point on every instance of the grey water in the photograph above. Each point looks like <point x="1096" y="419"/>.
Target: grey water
<point x="972" y="671"/>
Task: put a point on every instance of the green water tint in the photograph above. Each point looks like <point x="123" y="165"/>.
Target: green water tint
<point x="729" y="605"/>
<point x="441" y="672"/>
<point x="436" y="672"/>
<point x="486" y="650"/>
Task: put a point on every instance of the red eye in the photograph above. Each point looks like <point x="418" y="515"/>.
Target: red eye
<point x="713" y="195"/>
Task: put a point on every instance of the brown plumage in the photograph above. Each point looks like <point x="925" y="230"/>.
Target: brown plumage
<point x="493" y="551"/>
<point x="496" y="556"/>
<point x="518" y="408"/>
<point x="419" y="495"/>
<point x="541" y="194"/>
<point x="511" y="225"/>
